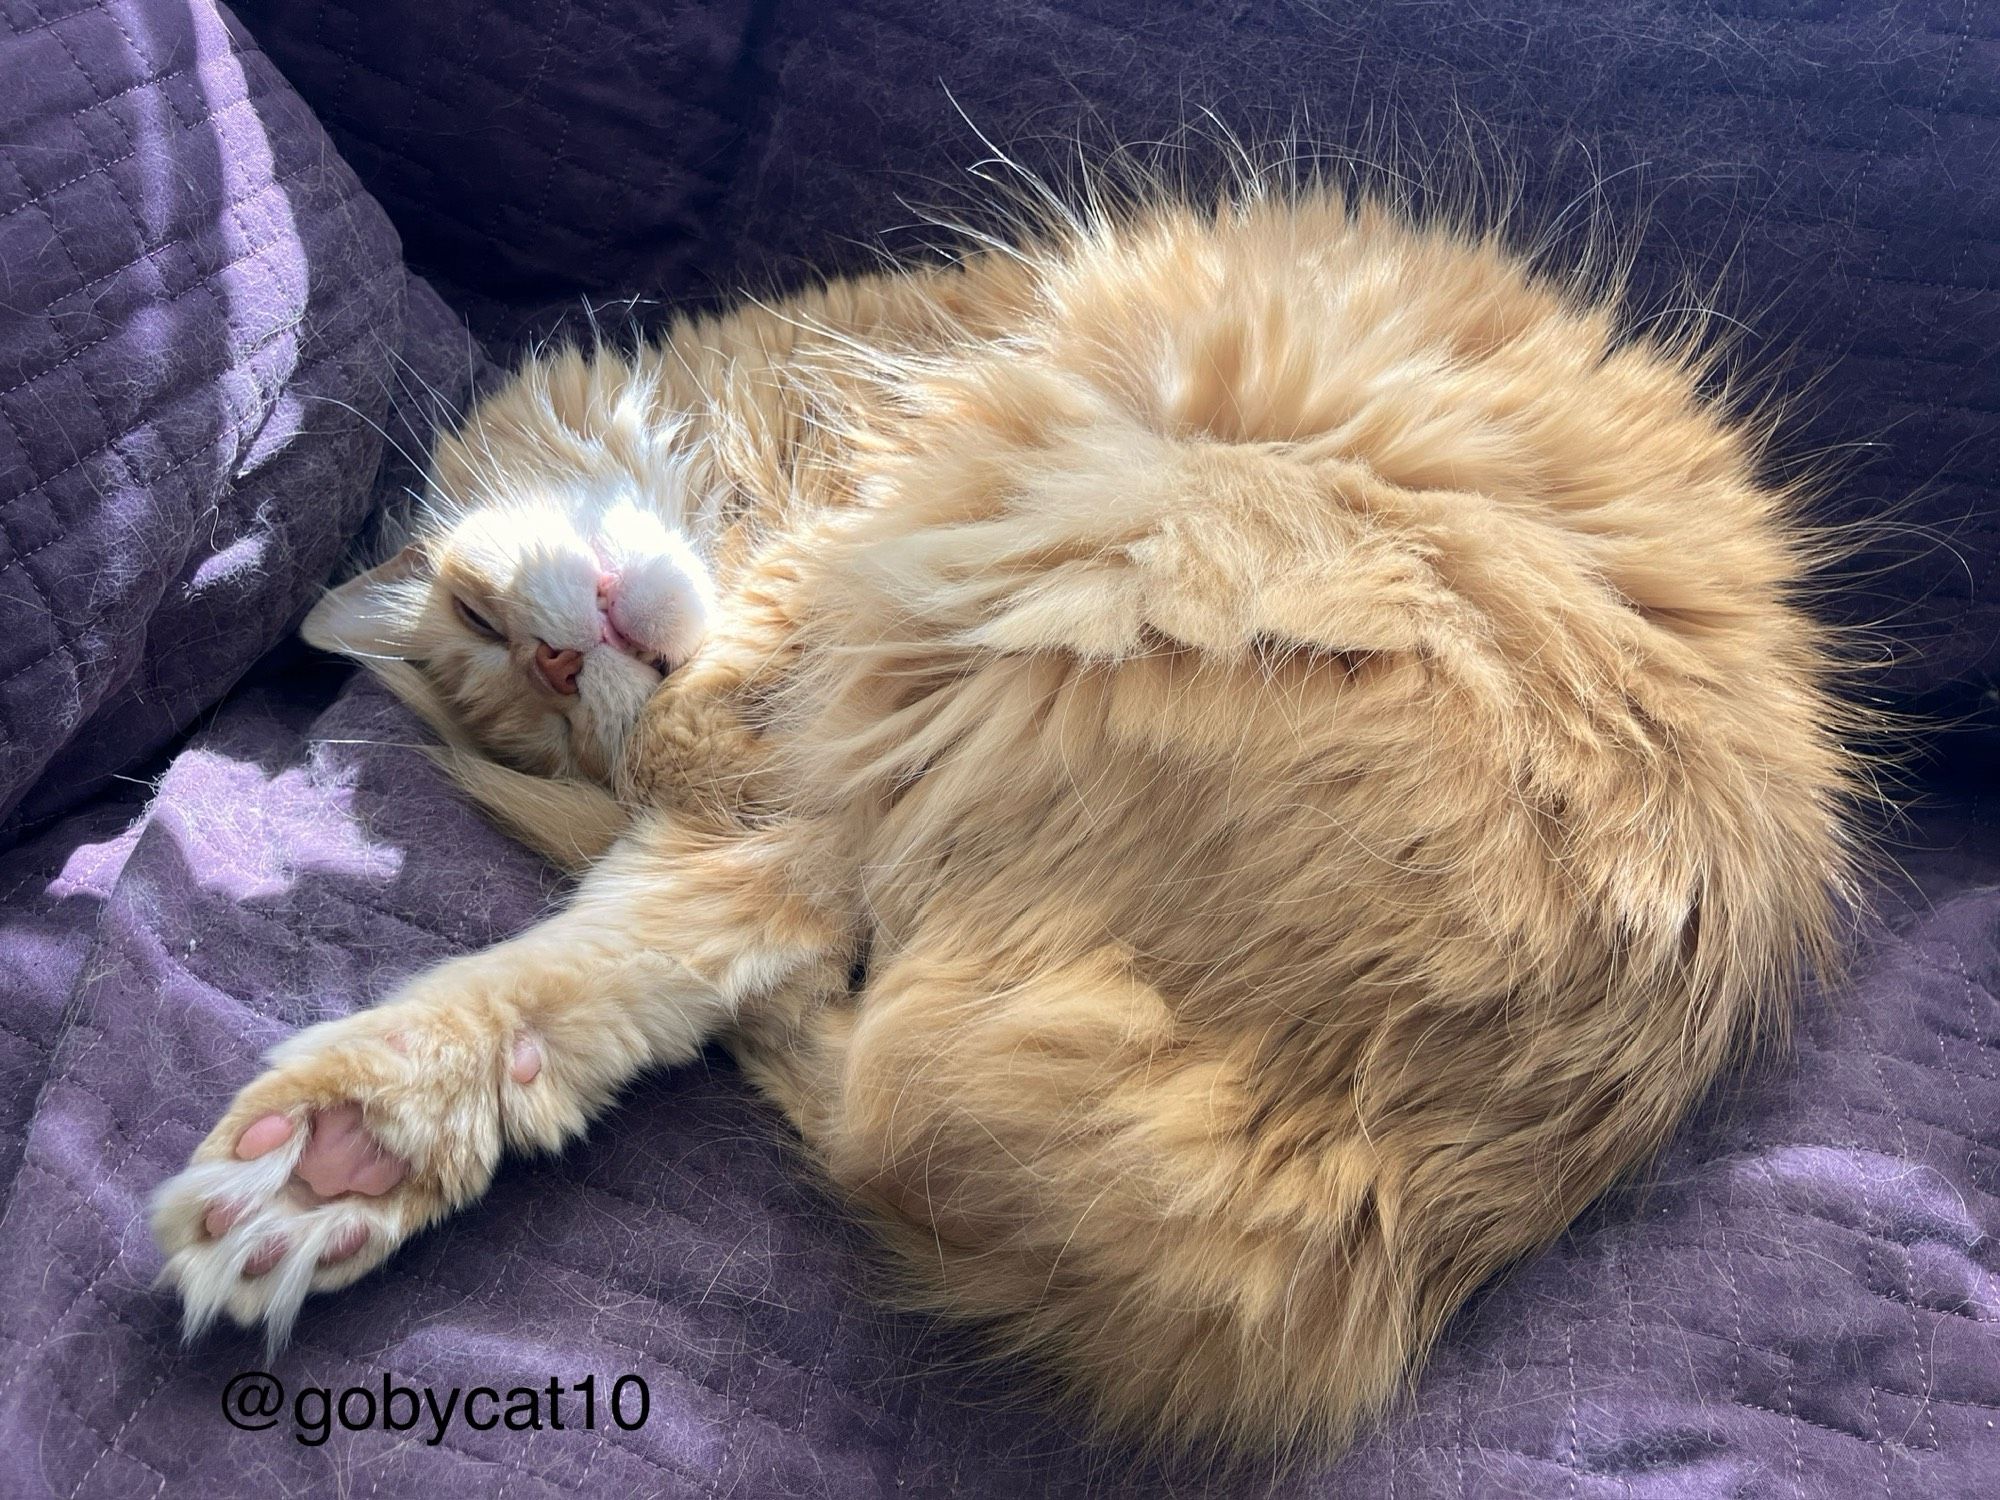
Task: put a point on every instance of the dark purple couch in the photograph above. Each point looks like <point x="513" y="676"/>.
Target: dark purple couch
<point x="244" y="260"/>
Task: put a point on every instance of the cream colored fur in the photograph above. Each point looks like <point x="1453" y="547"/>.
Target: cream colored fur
<point x="1308" y="723"/>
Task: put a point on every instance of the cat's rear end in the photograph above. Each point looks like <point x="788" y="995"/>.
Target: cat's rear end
<point x="1336" y="772"/>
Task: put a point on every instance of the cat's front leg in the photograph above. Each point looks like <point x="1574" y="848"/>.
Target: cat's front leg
<point x="364" y="1130"/>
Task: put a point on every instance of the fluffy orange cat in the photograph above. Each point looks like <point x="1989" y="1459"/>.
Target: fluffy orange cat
<point x="1302" y="724"/>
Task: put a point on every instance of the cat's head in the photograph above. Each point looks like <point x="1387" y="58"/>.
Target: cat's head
<point x="554" y="581"/>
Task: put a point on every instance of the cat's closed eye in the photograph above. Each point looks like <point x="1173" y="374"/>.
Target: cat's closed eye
<point x="474" y="621"/>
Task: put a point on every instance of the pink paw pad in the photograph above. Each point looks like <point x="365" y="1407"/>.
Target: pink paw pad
<point x="345" y="1244"/>
<point x="525" y="1065"/>
<point x="264" y="1257"/>
<point x="342" y="1157"/>
<point x="339" y="1157"/>
<point x="263" y="1137"/>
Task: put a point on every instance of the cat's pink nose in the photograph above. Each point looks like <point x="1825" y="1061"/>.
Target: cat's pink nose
<point x="559" y="669"/>
<point x="607" y="590"/>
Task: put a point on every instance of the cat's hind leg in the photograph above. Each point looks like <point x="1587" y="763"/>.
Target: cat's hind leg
<point x="1056" y="1152"/>
<point x="364" y="1130"/>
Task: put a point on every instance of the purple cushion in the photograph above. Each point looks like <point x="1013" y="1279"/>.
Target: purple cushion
<point x="197" y="347"/>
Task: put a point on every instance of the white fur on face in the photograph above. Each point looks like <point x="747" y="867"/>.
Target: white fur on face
<point x="590" y="563"/>
<point x="667" y="595"/>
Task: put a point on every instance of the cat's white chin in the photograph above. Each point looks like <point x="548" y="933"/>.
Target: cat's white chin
<point x="612" y="690"/>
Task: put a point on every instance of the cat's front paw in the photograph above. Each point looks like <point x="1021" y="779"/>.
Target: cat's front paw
<point x="362" y="1132"/>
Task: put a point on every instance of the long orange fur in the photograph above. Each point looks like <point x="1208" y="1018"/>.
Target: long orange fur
<point x="1310" y="724"/>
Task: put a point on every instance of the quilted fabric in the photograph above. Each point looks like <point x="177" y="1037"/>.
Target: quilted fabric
<point x="1802" y="1301"/>
<point x="1825" y="172"/>
<point x="203" y="315"/>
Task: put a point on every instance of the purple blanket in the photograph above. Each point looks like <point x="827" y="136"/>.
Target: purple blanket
<point x="207" y="329"/>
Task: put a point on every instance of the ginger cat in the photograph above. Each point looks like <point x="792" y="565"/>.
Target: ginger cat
<point x="1301" y="725"/>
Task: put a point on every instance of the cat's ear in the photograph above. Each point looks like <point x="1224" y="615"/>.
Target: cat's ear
<point x="369" y="614"/>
